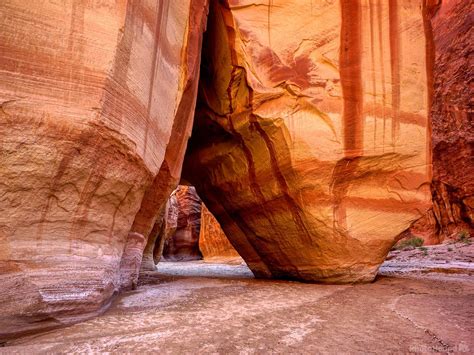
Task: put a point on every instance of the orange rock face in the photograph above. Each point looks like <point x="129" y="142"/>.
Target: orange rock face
<point x="92" y="145"/>
<point x="183" y="245"/>
<point x="311" y="140"/>
<point x="213" y="242"/>
<point x="311" y="143"/>
<point x="453" y="131"/>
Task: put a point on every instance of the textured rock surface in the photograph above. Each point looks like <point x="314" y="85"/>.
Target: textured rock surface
<point x="213" y="242"/>
<point x="310" y="142"/>
<point x="96" y="107"/>
<point x="167" y="227"/>
<point x="422" y="314"/>
<point x="184" y="243"/>
<point x="453" y="131"/>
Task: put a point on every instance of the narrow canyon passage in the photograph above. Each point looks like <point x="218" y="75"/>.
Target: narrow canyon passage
<point x="331" y="142"/>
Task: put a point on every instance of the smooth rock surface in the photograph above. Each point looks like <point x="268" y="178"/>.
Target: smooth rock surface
<point x="213" y="242"/>
<point x="92" y="145"/>
<point x="311" y="144"/>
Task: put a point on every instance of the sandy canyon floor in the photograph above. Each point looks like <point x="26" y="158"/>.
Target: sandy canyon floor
<point x="422" y="301"/>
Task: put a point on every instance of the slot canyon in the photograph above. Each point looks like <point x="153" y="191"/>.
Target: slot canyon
<point x="236" y="176"/>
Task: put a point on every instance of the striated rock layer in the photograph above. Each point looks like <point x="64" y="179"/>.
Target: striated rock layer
<point x="183" y="244"/>
<point x="311" y="139"/>
<point x="213" y="242"/>
<point x="96" y="105"/>
<point x="453" y="131"/>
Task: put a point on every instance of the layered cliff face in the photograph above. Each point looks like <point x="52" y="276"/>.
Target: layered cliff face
<point x="213" y="242"/>
<point x="92" y="145"/>
<point x="311" y="141"/>
<point x="183" y="245"/>
<point x="453" y="131"/>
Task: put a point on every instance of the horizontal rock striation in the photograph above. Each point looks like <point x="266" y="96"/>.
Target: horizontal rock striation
<point x="96" y="106"/>
<point x="311" y="138"/>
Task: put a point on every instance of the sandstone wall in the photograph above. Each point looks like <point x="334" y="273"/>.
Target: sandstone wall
<point x="167" y="227"/>
<point x="183" y="245"/>
<point x="96" y="105"/>
<point x="213" y="242"/>
<point x="453" y="131"/>
<point x="311" y="140"/>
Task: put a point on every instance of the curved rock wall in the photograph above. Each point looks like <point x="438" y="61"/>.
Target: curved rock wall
<point x="183" y="245"/>
<point x="311" y="139"/>
<point x="213" y="242"/>
<point x="92" y="146"/>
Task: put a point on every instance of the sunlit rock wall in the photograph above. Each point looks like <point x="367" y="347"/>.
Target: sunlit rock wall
<point x="311" y="142"/>
<point x="213" y="242"/>
<point x="96" y="105"/>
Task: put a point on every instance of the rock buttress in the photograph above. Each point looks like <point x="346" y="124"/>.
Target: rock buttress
<point x="311" y="133"/>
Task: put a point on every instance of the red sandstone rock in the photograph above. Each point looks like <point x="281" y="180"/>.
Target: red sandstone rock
<point x="453" y="131"/>
<point x="131" y="261"/>
<point x="311" y="145"/>
<point x="183" y="245"/>
<point x="96" y="105"/>
<point x="311" y="135"/>
<point x="213" y="242"/>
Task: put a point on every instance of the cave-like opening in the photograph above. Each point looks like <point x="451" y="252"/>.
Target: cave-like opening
<point x="191" y="242"/>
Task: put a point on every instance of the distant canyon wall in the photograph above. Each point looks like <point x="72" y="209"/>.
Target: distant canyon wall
<point x="213" y="243"/>
<point x="183" y="244"/>
<point x="190" y="232"/>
